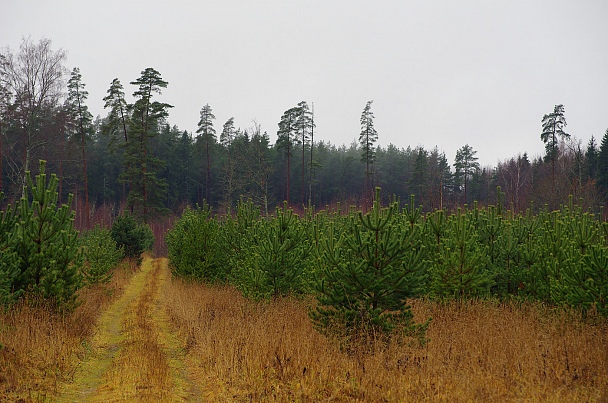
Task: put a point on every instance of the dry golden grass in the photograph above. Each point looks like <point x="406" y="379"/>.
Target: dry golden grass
<point x="42" y="348"/>
<point x="133" y="356"/>
<point x="143" y="368"/>
<point x="478" y="351"/>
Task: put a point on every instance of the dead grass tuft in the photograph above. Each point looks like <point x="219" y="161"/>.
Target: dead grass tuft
<point x="42" y="348"/>
<point x="478" y="351"/>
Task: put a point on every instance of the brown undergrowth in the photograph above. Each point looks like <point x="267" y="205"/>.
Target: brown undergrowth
<point x="42" y="348"/>
<point x="238" y="350"/>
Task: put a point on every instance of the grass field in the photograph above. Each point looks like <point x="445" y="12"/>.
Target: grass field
<point x="478" y="351"/>
<point x="156" y="339"/>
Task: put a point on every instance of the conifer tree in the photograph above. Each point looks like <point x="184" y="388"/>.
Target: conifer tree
<point x="591" y="157"/>
<point x="304" y="127"/>
<point x="207" y="137"/>
<point x="367" y="139"/>
<point x="459" y="268"/>
<point x="553" y="127"/>
<point x="367" y="270"/>
<point x="81" y="120"/>
<point x="48" y="248"/>
<point x="119" y="115"/>
<point x="10" y="262"/>
<point x="465" y="166"/>
<point x="147" y="191"/>
<point x="602" y="166"/>
<point x="229" y="134"/>
<point x="285" y="140"/>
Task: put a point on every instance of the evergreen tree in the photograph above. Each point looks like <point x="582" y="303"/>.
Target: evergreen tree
<point x="591" y="159"/>
<point x="10" y="261"/>
<point x="207" y="138"/>
<point x="553" y="127"/>
<point x="367" y="270"/>
<point x="81" y="120"/>
<point x="367" y="139"/>
<point x="420" y="177"/>
<point x="304" y="126"/>
<point x="229" y="134"/>
<point x="285" y="141"/>
<point x="458" y="268"/>
<point x="255" y="163"/>
<point x="440" y="178"/>
<point x="602" y="166"/>
<point x="132" y="236"/>
<point x="465" y="165"/>
<point x="141" y="167"/>
<point x="48" y="248"/>
<point x="119" y="115"/>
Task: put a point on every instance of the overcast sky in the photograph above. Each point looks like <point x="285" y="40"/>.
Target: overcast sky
<point x="441" y="73"/>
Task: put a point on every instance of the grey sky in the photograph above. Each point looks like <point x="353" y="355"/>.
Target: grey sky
<point x="440" y="73"/>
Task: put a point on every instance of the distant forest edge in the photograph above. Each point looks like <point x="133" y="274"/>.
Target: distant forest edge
<point x="134" y="158"/>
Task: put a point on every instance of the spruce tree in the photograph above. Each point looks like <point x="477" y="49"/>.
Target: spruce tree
<point x="602" y="167"/>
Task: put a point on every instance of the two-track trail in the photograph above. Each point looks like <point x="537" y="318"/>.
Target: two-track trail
<point x="133" y="355"/>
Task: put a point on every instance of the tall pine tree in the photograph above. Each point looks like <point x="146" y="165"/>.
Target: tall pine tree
<point x="81" y="123"/>
<point x="367" y="139"/>
<point x="553" y="127"/>
<point x="207" y="138"/>
<point x="146" y="195"/>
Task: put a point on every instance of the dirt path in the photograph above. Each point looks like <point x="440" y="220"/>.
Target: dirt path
<point x="134" y="356"/>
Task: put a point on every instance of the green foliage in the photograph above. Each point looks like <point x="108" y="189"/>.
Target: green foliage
<point x="147" y="190"/>
<point x="10" y="261"/>
<point x="193" y="246"/>
<point x="368" y="267"/>
<point x="275" y="261"/>
<point x="132" y="236"/>
<point x="363" y="267"/>
<point x="43" y="244"/>
<point x="101" y="254"/>
<point x="459" y="267"/>
<point x="584" y="282"/>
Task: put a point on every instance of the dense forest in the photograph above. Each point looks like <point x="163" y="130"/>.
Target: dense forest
<point x="133" y="158"/>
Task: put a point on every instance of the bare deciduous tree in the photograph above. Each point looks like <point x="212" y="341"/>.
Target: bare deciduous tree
<point x="34" y="78"/>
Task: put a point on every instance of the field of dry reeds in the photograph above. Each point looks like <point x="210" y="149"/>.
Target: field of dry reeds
<point x="42" y="348"/>
<point x="181" y="341"/>
<point x="238" y="350"/>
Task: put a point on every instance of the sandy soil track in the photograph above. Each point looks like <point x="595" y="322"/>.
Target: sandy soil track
<point x="134" y="356"/>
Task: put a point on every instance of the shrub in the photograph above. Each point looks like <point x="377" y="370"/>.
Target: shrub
<point x="132" y="236"/>
<point x="192" y="245"/>
<point x="101" y="254"/>
<point x="275" y="260"/>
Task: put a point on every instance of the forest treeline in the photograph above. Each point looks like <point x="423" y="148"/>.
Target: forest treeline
<point x="133" y="157"/>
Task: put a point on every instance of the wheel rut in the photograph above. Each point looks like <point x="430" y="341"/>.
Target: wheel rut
<point x="134" y="356"/>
